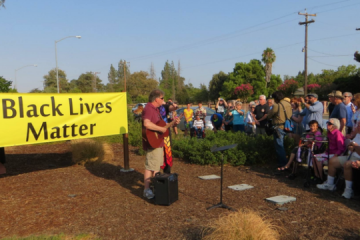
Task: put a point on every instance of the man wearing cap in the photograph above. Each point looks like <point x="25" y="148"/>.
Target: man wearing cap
<point x="339" y="111"/>
<point x="349" y="105"/>
<point x="314" y="109"/>
<point x="332" y="102"/>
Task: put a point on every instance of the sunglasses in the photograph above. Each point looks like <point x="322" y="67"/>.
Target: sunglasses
<point x="329" y="123"/>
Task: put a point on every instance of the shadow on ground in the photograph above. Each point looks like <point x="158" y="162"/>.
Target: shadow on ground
<point x="25" y="163"/>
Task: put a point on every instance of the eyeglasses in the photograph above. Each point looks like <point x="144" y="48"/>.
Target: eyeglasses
<point x="346" y="96"/>
<point x="329" y="123"/>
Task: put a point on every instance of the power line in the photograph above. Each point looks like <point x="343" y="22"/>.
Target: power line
<point x="215" y="39"/>
<point x="338" y="8"/>
<point x="285" y="46"/>
<point x="328" y="4"/>
<point x="334" y="56"/>
<point x="322" y="62"/>
<point x="333" y="37"/>
<point x="228" y="35"/>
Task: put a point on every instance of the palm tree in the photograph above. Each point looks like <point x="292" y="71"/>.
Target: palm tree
<point x="2" y="3"/>
<point x="268" y="57"/>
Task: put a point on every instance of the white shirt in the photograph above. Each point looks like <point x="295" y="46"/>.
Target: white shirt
<point x="249" y="119"/>
<point x="198" y="123"/>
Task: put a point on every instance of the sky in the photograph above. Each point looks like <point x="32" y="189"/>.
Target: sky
<point x="205" y="36"/>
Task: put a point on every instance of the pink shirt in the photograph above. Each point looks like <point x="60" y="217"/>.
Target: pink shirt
<point x="318" y="137"/>
<point x="336" y="142"/>
<point x="153" y="114"/>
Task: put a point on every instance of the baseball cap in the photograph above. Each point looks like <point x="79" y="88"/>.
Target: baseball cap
<point x="313" y="95"/>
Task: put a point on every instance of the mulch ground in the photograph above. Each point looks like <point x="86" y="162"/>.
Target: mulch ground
<point x="44" y="193"/>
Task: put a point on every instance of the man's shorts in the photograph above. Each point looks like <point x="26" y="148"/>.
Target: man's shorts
<point x="344" y="159"/>
<point x="154" y="159"/>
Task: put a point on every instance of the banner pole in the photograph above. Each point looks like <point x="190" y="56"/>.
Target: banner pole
<point x="126" y="138"/>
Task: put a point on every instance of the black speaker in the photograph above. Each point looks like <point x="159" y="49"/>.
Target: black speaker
<point x="165" y="188"/>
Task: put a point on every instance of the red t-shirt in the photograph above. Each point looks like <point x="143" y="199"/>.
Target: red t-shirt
<point x="153" y="114"/>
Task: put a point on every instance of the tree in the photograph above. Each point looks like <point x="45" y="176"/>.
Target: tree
<point x="244" y="91"/>
<point x="121" y="73"/>
<point x="357" y="56"/>
<point x="275" y="82"/>
<point x="51" y="82"/>
<point x="113" y="79"/>
<point x="288" y="87"/>
<point x="35" y="90"/>
<point x="170" y="81"/>
<point x="5" y="85"/>
<point x="268" y="57"/>
<point x="152" y="74"/>
<point x="140" y="85"/>
<point x="313" y="88"/>
<point x="85" y="82"/>
<point x="252" y="72"/>
<point x="215" y="85"/>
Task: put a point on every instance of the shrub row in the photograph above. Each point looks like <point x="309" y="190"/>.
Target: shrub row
<point x="250" y="150"/>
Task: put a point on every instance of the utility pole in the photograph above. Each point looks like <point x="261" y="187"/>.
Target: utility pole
<point x="306" y="40"/>
<point x="94" y="82"/>
<point x="126" y="138"/>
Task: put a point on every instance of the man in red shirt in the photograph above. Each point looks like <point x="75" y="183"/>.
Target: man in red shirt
<point x="154" y="156"/>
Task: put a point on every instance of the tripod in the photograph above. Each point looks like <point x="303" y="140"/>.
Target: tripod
<point x="221" y="149"/>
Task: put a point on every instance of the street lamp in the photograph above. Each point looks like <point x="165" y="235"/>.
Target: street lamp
<point x="57" y="70"/>
<point x="31" y="65"/>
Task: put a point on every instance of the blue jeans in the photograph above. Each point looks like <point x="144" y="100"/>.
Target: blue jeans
<point x="239" y="127"/>
<point x="199" y="132"/>
<point x="279" y="147"/>
<point x="189" y="125"/>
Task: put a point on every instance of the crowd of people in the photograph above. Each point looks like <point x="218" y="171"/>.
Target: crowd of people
<point x="305" y="116"/>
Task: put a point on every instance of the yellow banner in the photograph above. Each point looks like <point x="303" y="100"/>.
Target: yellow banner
<point x="43" y="117"/>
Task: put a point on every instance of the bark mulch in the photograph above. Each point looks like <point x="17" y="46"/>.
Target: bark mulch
<point x="45" y="193"/>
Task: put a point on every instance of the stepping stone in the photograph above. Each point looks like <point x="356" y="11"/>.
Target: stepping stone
<point x="281" y="199"/>
<point x="240" y="187"/>
<point x="209" y="177"/>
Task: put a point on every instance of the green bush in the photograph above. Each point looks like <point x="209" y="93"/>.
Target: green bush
<point x="250" y="150"/>
<point x="135" y="135"/>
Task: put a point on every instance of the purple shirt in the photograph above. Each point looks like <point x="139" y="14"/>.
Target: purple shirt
<point x="336" y="142"/>
<point x="153" y="114"/>
<point x="318" y="137"/>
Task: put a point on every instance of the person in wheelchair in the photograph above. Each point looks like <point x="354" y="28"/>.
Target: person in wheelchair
<point x="336" y="147"/>
<point x="346" y="162"/>
<point x="198" y="126"/>
<point x="315" y="133"/>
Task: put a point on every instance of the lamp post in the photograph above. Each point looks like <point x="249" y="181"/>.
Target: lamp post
<point x="31" y="65"/>
<point x="57" y="70"/>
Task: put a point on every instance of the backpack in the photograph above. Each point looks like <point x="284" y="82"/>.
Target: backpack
<point x="289" y="125"/>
